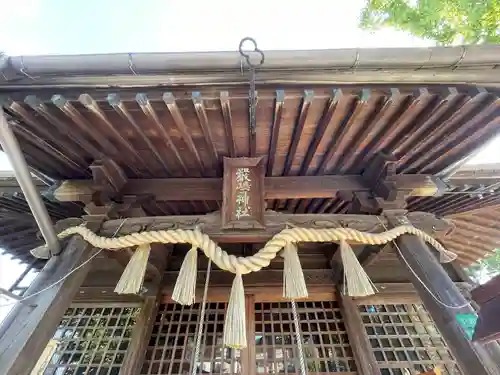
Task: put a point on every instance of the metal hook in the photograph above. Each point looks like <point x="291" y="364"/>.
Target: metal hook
<point x="131" y="65"/>
<point x="255" y="49"/>
<point x="23" y="70"/>
<point x="428" y="60"/>
<point x="354" y="65"/>
<point x="459" y="61"/>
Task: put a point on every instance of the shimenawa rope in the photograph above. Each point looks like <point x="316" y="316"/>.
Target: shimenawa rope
<point x="263" y="257"/>
<point x="357" y="280"/>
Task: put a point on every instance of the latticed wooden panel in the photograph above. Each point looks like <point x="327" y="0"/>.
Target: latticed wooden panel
<point x="172" y="343"/>
<point x="92" y="341"/>
<point x="326" y="346"/>
<point x="405" y="340"/>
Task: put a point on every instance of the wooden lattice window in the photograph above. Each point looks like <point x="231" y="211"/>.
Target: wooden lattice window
<point x="405" y="340"/>
<point x="92" y="340"/>
<point x="326" y="345"/>
<point x="171" y="346"/>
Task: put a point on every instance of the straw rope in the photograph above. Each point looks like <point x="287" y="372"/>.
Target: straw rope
<point x="253" y="263"/>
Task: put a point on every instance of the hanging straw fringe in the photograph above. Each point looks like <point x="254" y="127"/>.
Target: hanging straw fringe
<point x="185" y="286"/>
<point x="294" y="284"/>
<point x="356" y="281"/>
<point x="446" y="256"/>
<point x="235" y="333"/>
<point x="133" y="276"/>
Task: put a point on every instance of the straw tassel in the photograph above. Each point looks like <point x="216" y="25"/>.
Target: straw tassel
<point x="41" y="252"/>
<point x="294" y="284"/>
<point x="133" y="276"/>
<point x="356" y="281"/>
<point x="185" y="286"/>
<point x="446" y="256"/>
<point x="235" y="333"/>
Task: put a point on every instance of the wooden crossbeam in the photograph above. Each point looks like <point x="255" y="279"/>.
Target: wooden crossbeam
<point x="185" y="189"/>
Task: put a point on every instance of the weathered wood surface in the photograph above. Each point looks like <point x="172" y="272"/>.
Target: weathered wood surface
<point x="398" y="293"/>
<point x="243" y="193"/>
<point x="275" y="222"/>
<point x="358" y="339"/>
<point x="184" y="189"/>
<point x="486" y="292"/>
<point x="425" y="269"/>
<point x="487" y="296"/>
<point x="27" y="330"/>
<point x="140" y="337"/>
<point x="488" y="325"/>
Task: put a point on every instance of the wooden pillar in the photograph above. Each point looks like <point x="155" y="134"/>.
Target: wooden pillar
<point x="424" y="269"/>
<point x="140" y="337"/>
<point x="358" y="339"/>
<point x="143" y="327"/>
<point x="30" y="326"/>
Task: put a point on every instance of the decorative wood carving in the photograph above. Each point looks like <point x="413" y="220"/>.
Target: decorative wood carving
<point x="243" y="202"/>
<point x="275" y="222"/>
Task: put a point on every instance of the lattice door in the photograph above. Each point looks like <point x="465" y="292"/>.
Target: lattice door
<point x="272" y="345"/>
<point x="405" y="340"/>
<point x="326" y="346"/>
<point x="92" y="340"/>
<point x="171" y="346"/>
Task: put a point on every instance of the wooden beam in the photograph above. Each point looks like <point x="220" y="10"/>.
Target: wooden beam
<point x="486" y="292"/>
<point x="487" y="296"/>
<point x="433" y="284"/>
<point x="366" y="362"/>
<point x="271" y="278"/>
<point x="106" y="294"/>
<point x="275" y="222"/>
<point x="488" y="325"/>
<point x="398" y="293"/>
<point x="26" y="331"/>
<point x="186" y="189"/>
<point x="477" y="176"/>
<point x="108" y="175"/>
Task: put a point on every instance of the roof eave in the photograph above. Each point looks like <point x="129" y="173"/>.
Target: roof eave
<point x="439" y="65"/>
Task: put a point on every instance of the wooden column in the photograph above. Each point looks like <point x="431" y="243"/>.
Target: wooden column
<point x="30" y="326"/>
<point x="358" y="339"/>
<point x="423" y="265"/>
<point x="140" y="337"/>
<point x="144" y="325"/>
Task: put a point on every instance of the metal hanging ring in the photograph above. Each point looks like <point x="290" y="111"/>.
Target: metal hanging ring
<point x="255" y="49"/>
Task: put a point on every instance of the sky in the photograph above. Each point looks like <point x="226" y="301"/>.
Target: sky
<point x="31" y="27"/>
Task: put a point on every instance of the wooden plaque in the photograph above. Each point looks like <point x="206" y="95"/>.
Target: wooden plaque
<point x="243" y="203"/>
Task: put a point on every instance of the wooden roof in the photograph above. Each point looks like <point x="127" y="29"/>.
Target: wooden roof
<point x="18" y="230"/>
<point x="475" y="234"/>
<point x="180" y="118"/>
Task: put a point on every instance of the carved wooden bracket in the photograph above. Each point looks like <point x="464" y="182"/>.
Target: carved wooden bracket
<point x="108" y="175"/>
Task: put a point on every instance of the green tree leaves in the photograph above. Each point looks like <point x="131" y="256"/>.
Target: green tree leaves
<point x="445" y="21"/>
<point x="485" y="269"/>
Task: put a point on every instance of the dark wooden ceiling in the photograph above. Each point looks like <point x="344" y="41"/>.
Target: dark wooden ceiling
<point x="314" y="130"/>
<point x="300" y="132"/>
